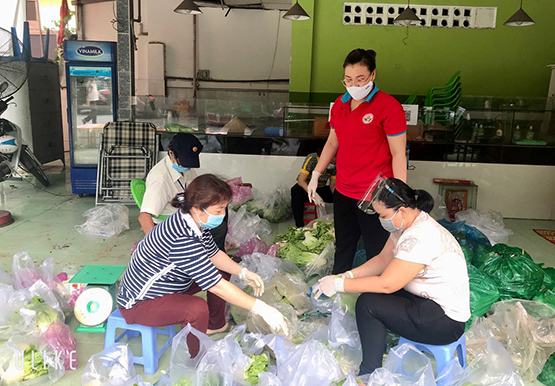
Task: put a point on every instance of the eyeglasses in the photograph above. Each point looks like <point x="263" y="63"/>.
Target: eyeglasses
<point x="357" y="82"/>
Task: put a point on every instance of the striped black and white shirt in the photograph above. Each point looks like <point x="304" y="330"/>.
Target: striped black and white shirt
<point x="173" y="255"/>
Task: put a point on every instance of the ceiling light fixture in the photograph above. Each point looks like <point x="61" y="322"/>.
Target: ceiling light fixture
<point x="188" y="7"/>
<point x="296" y="12"/>
<point x="407" y="17"/>
<point x="520" y="19"/>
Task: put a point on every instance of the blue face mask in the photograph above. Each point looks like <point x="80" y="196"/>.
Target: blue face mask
<point x="387" y="223"/>
<point x="213" y="221"/>
<point x="178" y="168"/>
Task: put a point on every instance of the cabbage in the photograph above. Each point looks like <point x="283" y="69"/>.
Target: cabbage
<point x="44" y="314"/>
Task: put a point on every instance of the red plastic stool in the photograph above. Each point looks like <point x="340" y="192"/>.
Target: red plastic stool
<point x="310" y="213"/>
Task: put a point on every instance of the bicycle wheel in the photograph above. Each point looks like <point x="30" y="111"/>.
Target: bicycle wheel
<point x="31" y="164"/>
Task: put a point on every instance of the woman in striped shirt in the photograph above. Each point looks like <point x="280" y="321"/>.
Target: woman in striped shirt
<point x="179" y="258"/>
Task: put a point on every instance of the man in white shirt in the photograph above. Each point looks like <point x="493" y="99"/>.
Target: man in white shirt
<point x="169" y="177"/>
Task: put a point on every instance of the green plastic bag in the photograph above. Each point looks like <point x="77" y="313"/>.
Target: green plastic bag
<point x="483" y="292"/>
<point x="468" y="253"/>
<point x="487" y="253"/>
<point x="547" y="297"/>
<point x="547" y="376"/>
<point x="513" y="271"/>
<point x="548" y="279"/>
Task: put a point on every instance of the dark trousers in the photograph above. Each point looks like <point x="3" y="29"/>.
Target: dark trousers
<point x="181" y="308"/>
<point x="410" y="316"/>
<point x="299" y="197"/>
<point x="350" y="224"/>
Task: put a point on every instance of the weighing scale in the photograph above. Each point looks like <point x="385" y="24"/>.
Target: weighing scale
<point x="96" y="303"/>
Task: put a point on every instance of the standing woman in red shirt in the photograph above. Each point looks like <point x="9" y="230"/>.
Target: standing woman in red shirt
<point x="368" y="138"/>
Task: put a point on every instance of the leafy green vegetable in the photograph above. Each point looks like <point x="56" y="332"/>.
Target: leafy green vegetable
<point x="45" y="315"/>
<point x="33" y="364"/>
<point x="258" y="365"/>
<point x="303" y="246"/>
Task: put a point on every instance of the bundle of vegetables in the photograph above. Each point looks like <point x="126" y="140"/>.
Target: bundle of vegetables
<point x="24" y="358"/>
<point x="44" y="315"/>
<point x="305" y="246"/>
<point x="274" y="208"/>
<point x="258" y="365"/>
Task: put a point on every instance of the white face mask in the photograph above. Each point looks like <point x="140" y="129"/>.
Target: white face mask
<point x="359" y="93"/>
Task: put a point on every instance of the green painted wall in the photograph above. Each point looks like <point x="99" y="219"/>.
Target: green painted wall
<point x="505" y="61"/>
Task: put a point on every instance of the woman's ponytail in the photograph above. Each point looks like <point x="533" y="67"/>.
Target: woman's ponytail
<point x="424" y="200"/>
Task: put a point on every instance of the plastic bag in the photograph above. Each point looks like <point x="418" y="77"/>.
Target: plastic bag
<point x="292" y="290"/>
<point x="11" y="321"/>
<point x="111" y="367"/>
<point x="408" y="365"/>
<point x="492" y="366"/>
<point x="490" y="224"/>
<point x="182" y="365"/>
<point x="547" y="376"/>
<point x="323" y="264"/>
<point x="547" y="297"/>
<point x="275" y="207"/>
<point x="254" y="245"/>
<point x="256" y="324"/>
<point x="25" y="272"/>
<point x="344" y="339"/>
<point x="105" y="221"/>
<point x="243" y="226"/>
<point x="60" y="339"/>
<point x="225" y="357"/>
<point x="24" y="360"/>
<point x="513" y="271"/>
<point x="483" y="292"/>
<point x="308" y="364"/>
<point x="526" y="329"/>
<point x="548" y="279"/>
<point x="241" y="193"/>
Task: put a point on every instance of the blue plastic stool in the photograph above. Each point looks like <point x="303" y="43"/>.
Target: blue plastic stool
<point x="442" y="354"/>
<point x="151" y="354"/>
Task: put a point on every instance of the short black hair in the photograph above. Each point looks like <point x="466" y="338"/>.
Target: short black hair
<point x="362" y="56"/>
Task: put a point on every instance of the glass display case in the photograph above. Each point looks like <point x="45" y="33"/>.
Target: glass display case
<point x="482" y="129"/>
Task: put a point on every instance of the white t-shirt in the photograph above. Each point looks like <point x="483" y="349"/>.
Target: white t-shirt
<point x="445" y="277"/>
<point x="162" y="185"/>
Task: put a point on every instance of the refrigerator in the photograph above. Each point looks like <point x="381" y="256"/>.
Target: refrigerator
<point x="91" y="78"/>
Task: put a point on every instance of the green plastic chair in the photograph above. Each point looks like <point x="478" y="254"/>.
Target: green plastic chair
<point x="138" y="188"/>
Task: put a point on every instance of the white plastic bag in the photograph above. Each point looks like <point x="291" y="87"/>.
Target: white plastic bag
<point x="182" y="365"/>
<point x="525" y="328"/>
<point x="24" y="360"/>
<point x="111" y="367"/>
<point x="409" y="366"/>
<point x="490" y="224"/>
<point x="344" y="339"/>
<point x="243" y="226"/>
<point x="308" y="364"/>
<point x="11" y="321"/>
<point x="492" y="367"/>
<point x="323" y="264"/>
<point x="105" y="221"/>
<point x="25" y="272"/>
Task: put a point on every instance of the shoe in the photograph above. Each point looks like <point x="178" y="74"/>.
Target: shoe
<point x="218" y="330"/>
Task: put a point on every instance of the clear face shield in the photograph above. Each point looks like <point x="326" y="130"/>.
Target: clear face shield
<point x="373" y="194"/>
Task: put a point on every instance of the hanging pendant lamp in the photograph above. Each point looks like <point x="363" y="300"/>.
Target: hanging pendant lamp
<point x="407" y="17"/>
<point x="296" y="12"/>
<point x="520" y="19"/>
<point x="188" y="7"/>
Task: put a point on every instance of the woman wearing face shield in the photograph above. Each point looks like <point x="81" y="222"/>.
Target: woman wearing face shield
<point x="179" y="258"/>
<point x="417" y="286"/>
<point x="368" y="138"/>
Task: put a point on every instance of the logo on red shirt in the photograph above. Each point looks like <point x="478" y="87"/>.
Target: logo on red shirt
<point x="367" y="118"/>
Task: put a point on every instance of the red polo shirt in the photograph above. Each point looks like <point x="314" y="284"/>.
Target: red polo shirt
<point x="363" y="150"/>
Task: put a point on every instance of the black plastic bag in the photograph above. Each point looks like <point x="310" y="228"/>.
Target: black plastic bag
<point x="513" y="271"/>
<point x="472" y="241"/>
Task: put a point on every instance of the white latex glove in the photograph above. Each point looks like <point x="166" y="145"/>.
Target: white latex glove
<point x="318" y="200"/>
<point x="313" y="185"/>
<point x="347" y="275"/>
<point x="271" y="316"/>
<point x="253" y="280"/>
<point x="329" y="286"/>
